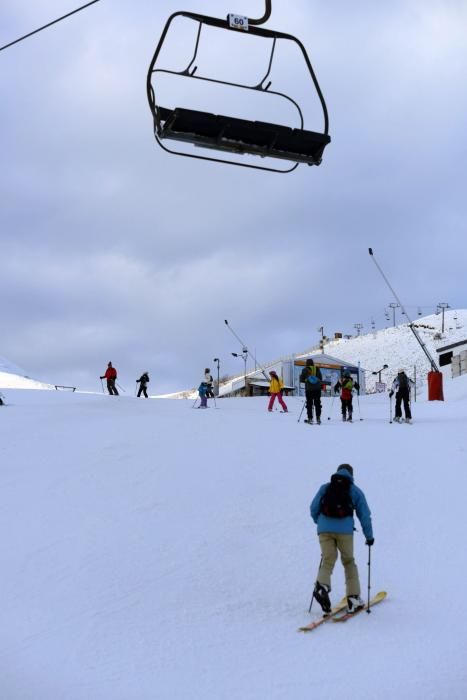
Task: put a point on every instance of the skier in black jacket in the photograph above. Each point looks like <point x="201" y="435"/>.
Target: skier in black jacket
<point x="143" y="382"/>
<point x="402" y="385"/>
<point x="312" y="378"/>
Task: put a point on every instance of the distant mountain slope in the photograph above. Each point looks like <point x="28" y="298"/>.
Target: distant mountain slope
<point x="13" y="377"/>
<point x="398" y="348"/>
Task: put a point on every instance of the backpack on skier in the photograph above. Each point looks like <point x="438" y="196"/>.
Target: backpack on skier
<point x="403" y="381"/>
<point x="312" y="380"/>
<point x="336" y="501"/>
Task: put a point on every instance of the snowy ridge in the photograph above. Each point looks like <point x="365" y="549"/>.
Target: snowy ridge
<point x="398" y="348"/>
<point x="13" y="377"/>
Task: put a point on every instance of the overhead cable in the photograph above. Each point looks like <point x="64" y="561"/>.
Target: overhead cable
<point x="49" y="24"/>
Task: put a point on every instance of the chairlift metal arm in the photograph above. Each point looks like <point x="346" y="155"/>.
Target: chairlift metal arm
<point x="265" y="17"/>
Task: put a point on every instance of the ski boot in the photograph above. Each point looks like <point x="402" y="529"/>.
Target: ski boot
<point x="397" y="419"/>
<point x="309" y="421"/>
<point x="321" y="593"/>
<point x="408" y="420"/>
<point x="354" y="603"/>
<point x="349" y="419"/>
<point x="343" y="417"/>
<point x="318" y="420"/>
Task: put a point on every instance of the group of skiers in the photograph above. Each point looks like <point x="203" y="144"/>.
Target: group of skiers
<point x="110" y="375"/>
<point x="346" y="387"/>
<point x="312" y="378"/>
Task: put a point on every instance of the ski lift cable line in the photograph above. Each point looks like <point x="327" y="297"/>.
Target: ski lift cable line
<point x="49" y="24"/>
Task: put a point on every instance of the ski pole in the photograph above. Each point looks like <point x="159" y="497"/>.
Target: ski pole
<point x="304" y="404"/>
<point x="358" y="404"/>
<point x="369" y="578"/>
<point x="332" y="404"/>
<point x="313" y="594"/>
<point x="390" y="409"/>
<point x="102" y="385"/>
<point x="215" y="404"/>
<point x="120" y="387"/>
<point x="195" y="402"/>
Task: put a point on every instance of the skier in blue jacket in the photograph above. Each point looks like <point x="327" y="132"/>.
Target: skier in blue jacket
<point x="332" y="510"/>
<point x="203" y="395"/>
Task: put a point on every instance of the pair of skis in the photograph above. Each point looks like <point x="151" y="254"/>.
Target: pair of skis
<point x="339" y="614"/>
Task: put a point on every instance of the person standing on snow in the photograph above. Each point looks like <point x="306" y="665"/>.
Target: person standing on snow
<point x="332" y="510"/>
<point x="346" y="387"/>
<point x="111" y="377"/>
<point x="275" y="389"/>
<point x="401" y="386"/>
<point x="209" y="381"/>
<point x="143" y="382"/>
<point x="312" y="378"/>
<point x="203" y="395"/>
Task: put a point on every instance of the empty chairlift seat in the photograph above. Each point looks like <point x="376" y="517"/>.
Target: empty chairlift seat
<point x="241" y="136"/>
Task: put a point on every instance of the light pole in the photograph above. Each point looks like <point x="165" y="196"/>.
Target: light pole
<point x="244" y="357"/>
<point x="443" y="306"/>
<point x="358" y="326"/>
<point x="218" y="362"/>
<point x="394" y="306"/>
<point x="378" y="372"/>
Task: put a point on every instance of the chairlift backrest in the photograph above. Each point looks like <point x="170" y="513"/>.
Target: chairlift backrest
<point x="227" y="134"/>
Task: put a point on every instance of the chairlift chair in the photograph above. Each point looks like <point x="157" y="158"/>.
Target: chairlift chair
<point x="227" y="134"/>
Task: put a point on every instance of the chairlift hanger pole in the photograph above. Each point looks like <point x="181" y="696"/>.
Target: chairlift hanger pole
<point x="433" y="364"/>
<point x="266" y="16"/>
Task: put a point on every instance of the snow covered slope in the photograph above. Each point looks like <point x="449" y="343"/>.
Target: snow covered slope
<point x="397" y="346"/>
<point x="155" y="552"/>
<point x="13" y="377"/>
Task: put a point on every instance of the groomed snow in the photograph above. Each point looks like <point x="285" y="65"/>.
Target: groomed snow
<point x="150" y="550"/>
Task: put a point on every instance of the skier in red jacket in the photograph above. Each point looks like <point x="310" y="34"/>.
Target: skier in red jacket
<point x="111" y="377"/>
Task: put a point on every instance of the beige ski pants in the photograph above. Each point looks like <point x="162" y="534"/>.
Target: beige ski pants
<point x="331" y="543"/>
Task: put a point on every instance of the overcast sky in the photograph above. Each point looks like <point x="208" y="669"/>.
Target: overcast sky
<point x="112" y="249"/>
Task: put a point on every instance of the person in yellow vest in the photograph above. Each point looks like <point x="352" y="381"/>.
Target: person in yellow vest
<point x="275" y="389"/>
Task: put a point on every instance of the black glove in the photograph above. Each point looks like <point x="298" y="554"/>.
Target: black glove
<point x="391" y="394"/>
<point x="370" y="542"/>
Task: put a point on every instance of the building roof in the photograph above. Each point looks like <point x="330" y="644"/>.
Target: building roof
<point x="323" y="359"/>
<point x="453" y="345"/>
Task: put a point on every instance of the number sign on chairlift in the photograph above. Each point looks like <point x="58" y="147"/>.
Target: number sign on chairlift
<point x="238" y="22"/>
<point x="225" y="134"/>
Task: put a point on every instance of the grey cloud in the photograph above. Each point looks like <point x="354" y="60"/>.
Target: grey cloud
<point x="113" y="250"/>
